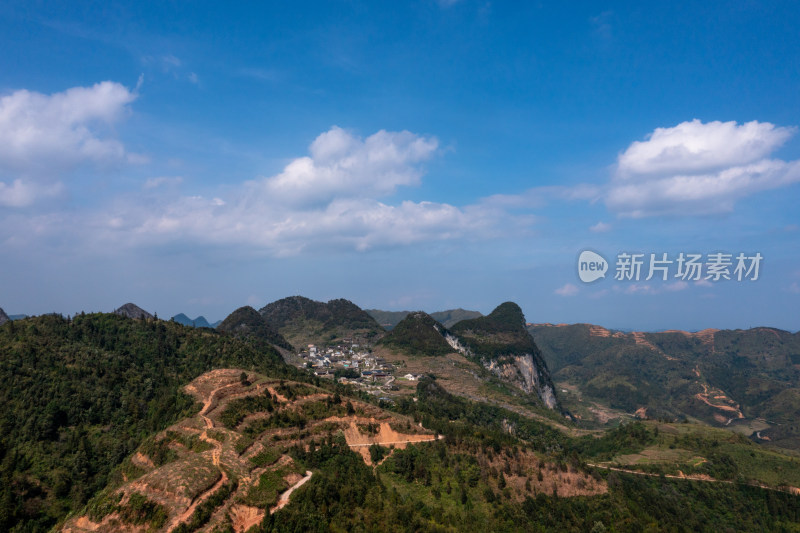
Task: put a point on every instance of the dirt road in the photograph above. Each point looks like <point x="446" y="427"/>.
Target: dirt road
<point x="283" y="500"/>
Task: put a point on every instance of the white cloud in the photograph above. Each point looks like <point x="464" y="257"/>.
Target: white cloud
<point x="21" y="194"/>
<point x="541" y="196"/>
<point x="699" y="168"/>
<point x="640" y="288"/>
<point x="600" y="227"/>
<point x="331" y="199"/>
<point x="153" y="183"/>
<point x="44" y="136"/>
<point x="344" y="165"/>
<point x="676" y="286"/>
<point x="567" y="290"/>
<point x="700" y="147"/>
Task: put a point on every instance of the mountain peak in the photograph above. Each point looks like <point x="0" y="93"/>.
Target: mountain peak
<point x="246" y="321"/>
<point x="3" y="317"/>
<point x="508" y="313"/>
<point x="303" y="321"/>
<point x="131" y="310"/>
<point x="418" y="334"/>
<point x="199" y="322"/>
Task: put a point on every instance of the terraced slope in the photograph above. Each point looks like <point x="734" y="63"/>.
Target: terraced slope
<point x="230" y="465"/>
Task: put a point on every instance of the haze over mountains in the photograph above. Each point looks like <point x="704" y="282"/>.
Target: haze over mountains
<point x="199" y="322"/>
<point x="389" y="319"/>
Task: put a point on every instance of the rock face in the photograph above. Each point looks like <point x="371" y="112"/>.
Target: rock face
<point x="3" y="317"/>
<point x="131" y="310"/>
<point x="502" y="345"/>
<point x="524" y="371"/>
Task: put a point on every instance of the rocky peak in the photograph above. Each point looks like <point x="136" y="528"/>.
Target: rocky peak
<point x="131" y="310"/>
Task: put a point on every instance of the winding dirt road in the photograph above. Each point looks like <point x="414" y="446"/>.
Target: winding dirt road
<point x="283" y="500"/>
<point x="216" y="454"/>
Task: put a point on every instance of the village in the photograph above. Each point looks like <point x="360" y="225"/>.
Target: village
<point x="353" y="363"/>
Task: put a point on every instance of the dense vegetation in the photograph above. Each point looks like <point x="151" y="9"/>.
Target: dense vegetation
<point x="664" y="372"/>
<point x="418" y="334"/>
<point x="436" y="487"/>
<point x="457" y="418"/>
<point x="79" y="395"/>
<point x="500" y="333"/>
<point x="247" y="322"/>
<point x="304" y="321"/>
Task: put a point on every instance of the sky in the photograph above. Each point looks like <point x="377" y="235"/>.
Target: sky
<point x="199" y="156"/>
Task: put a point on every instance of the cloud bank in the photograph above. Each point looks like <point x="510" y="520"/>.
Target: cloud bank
<point x="328" y="199"/>
<point x="43" y="137"/>
<point x="698" y="168"/>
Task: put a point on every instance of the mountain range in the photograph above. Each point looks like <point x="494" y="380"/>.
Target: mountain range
<point x="303" y="321"/>
<point x="389" y="319"/>
<point x="745" y="379"/>
<point x="122" y="422"/>
<point x="199" y="322"/>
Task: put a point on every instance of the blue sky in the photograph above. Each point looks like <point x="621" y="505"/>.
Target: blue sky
<point x="195" y="157"/>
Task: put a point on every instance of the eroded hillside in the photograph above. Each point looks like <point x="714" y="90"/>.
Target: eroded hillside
<point x="251" y="445"/>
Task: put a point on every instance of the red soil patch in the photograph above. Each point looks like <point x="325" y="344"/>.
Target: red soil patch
<point x="244" y="517"/>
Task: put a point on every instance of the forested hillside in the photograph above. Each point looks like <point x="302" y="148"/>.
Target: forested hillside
<point x="304" y="321"/>
<point x="80" y="394"/>
<point x="744" y="379"/>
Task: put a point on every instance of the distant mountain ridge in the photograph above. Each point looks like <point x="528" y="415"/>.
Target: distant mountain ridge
<point x="723" y="377"/>
<point x="304" y="321"/>
<point x="199" y="322"/>
<point x="247" y="322"/>
<point x="131" y="310"/>
<point x="448" y="318"/>
<point x="3" y="317"/>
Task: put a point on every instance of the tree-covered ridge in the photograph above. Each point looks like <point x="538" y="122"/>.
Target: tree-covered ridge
<point x="482" y="476"/>
<point x="304" y="321"/>
<point x="418" y="334"/>
<point x="80" y="394"/>
<point x="448" y="318"/>
<point x="502" y="332"/>
<point x="247" y="322"/>
<point x="716" y="376"/>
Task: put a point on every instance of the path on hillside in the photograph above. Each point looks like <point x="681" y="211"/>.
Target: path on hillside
<point x="432" y="438"/>
<point x="698" y="477"/>
<point x="283" y="500"/>
<point x="208" y="406"/>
